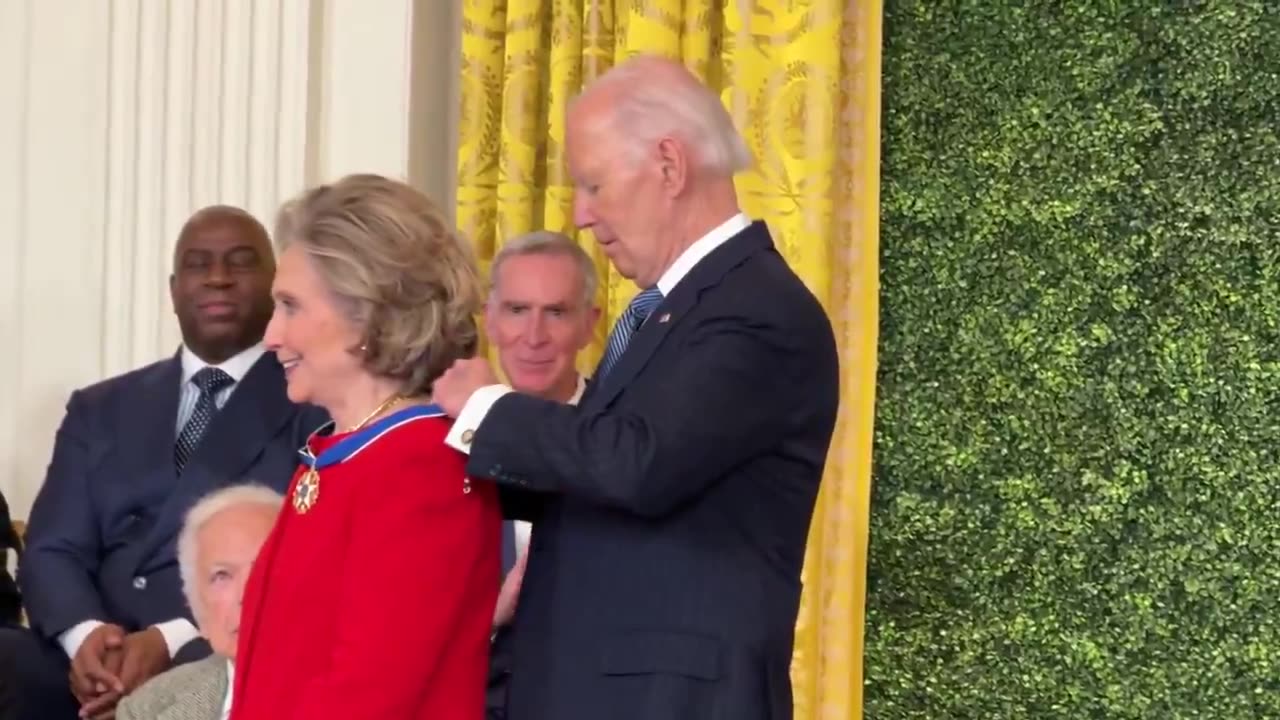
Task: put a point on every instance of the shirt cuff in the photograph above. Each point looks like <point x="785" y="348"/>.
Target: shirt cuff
<point x="73" y="638"/>
<point x="177" y="633"/>
<point x="464" y="428"/>
<point x="521" y="530"/>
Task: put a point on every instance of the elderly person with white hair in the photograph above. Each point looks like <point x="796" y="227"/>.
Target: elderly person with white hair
<point x="219" y="541"/>
<point x="672" y="506"/>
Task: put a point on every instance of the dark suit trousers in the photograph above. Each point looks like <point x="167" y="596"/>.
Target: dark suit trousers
<point x="499" y="675"/>
<point x="500" y="651"/>
<point x="9" y="685"/>
<point x="33" y="678"/>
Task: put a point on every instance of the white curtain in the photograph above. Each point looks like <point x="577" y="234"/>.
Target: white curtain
<point x="118" y="118"/>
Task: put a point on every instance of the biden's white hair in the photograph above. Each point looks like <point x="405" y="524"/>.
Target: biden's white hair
<point x="653" y="97"/>
<point x="199" y="514"/>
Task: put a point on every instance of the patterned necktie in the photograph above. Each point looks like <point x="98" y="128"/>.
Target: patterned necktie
<point x="210" y="380"/>
<point x="632" y="318"/>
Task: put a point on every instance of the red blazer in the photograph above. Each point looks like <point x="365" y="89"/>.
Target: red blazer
<point x="377" y="603"/>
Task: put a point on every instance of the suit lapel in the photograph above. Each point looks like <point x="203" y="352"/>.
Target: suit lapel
<point x="152" y="423"/>
<point x="256" y="410"/>
<point x="707" y="273"/>
<point x="643" y="343"/>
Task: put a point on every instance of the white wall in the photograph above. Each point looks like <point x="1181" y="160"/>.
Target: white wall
<point x="118" y="118"/>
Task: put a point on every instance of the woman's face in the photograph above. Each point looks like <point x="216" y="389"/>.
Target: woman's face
<point x="310" y="335"/>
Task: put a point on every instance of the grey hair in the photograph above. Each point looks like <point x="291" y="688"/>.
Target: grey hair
<point x="646" y="109"/>
<point x="199" y="514"/>
<point x="546" y="242"/>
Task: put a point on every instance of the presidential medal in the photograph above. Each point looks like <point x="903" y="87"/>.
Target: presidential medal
<point x="307" y="491"/>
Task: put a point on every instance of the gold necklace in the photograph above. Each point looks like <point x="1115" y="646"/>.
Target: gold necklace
<point x="386" y="405"/>
<point x="307" y="492"/>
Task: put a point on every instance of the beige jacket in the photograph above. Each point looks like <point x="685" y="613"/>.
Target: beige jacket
<point x="194" y="691"/>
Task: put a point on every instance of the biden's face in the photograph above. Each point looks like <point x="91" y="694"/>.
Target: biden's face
<point x="620" y="194"/>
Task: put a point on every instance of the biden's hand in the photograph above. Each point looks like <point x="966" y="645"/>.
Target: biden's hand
<point x="454" y="388"/>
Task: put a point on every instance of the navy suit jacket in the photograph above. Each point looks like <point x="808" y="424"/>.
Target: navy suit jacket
<point x="101" y="539"/>
<point x="10" y="599"/>
<point x="672" y="506"/>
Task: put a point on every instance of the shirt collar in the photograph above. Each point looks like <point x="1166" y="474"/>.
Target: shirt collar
<point x="693" y="254"/>
<point x="237" y="366"/>
<point x="231" y="682"/>
<point x="577" y="394"/>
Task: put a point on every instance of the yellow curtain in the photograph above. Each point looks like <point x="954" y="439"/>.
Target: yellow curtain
<point x="802" y="80"/>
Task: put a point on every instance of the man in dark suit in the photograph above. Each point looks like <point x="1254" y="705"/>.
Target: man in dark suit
<point x="133" y="454"/>
<point x="10" y="598"/>
<point x="671" y="507"/>
<point x="10" y="613"/>
<point x="539" y="315"/>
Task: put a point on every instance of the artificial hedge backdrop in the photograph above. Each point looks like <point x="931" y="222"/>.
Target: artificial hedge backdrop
<point x="1076" y="506"/>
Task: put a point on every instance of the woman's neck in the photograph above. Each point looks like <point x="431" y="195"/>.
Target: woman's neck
<point x="358" y="398"/>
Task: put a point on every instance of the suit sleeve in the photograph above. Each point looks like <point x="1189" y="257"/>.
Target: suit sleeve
<point x="522" y="505"/>
<point x="56" y="574"/>
<point x="416" y="544"/>
<point x="733" y="392"/>
<point x="517" y="504"/>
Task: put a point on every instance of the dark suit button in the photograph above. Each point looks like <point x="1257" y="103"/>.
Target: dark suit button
<point x="139" y="583"/>
<point x="495" y="471"/>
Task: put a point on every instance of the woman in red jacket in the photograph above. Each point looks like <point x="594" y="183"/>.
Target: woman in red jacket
<point x="373" y="596"/>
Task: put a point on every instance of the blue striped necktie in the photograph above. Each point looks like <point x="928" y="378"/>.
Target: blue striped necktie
<point x="623" y="330"/>
<point x="210" y="380"/>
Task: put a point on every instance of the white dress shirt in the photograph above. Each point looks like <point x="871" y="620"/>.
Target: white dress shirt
<point x="481" y="400"/>
<point x="179" y="631"/>
<point x="692" y="255"/>
<point x="231" y="683"/>
<point x="237" y="367"/>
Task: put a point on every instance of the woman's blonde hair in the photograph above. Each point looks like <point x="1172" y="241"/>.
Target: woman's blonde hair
<point x="404" y="277"/>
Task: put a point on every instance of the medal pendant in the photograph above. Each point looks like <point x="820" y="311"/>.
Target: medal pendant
<point x="307" y="492"/>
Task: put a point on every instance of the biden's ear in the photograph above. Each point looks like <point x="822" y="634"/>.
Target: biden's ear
<point x="674" y="166"/>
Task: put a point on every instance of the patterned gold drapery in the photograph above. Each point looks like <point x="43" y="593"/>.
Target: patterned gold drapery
<point x="802" y="80"/>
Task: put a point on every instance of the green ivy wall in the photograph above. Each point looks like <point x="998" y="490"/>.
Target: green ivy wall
<point x="1076" y="508"/>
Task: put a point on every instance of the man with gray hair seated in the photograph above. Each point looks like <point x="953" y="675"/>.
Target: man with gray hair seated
<point x="219" y="541"/>
<point x="540" y="313"/>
